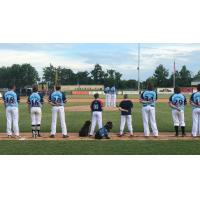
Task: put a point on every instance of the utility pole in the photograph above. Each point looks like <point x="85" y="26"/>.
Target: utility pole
<point x="174" y="77"/>
<point x="138" y="68"/>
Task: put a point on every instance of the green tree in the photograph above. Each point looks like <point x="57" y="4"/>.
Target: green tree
<point x="97" y="74"/>
<point x="160" y="75"/>
<point x="185" y="77"/>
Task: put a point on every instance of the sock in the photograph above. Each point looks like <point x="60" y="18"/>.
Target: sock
<point x="183" y="130"/>
<point x="33" y="129"/>
<point x="38" y="129"/>
<point x="176" y="129"/>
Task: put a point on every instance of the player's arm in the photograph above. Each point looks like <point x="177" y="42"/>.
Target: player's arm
<point x="18" y="98"/>
<point x="64" y="97"/>
<point x="121" y="109"/>
<point x="50" y="101"/>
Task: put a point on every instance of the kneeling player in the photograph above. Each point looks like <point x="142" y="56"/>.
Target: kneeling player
<point x="125" y="107"/>
<point x="35" y="101"/>
<point x="177" y="102"/>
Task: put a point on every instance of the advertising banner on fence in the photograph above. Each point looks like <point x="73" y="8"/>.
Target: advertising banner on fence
<point x="80" y="92"/>
<point x="130" y="92"/>
<point x="187" y="90"/>
<point x="165" y="90"/>
<point x="94" y="92"/>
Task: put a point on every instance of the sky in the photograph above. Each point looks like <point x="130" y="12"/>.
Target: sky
<point x="119" y="56"/>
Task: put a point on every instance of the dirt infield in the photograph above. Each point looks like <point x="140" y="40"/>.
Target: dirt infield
<point x="113" y="136"/>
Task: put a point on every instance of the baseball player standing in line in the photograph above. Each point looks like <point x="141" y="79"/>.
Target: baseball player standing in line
<point x="113" y="96"/>
<point x="177" y="102"/>
<point x="148" y="99"/>
<point x="195" y="102"/>
<point x="57" y="99"/>
<point x="11" y="100"/>
<point x="125" y="107"/>
<point x="35" y="101"/>
<point x="96" y="109"/>
<point x="108" y="96"/>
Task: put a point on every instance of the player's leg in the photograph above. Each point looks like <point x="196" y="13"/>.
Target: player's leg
<point x="9" y="121"/>
<point x="194" y="122"/>
<point x="109" y="100"/>
<point x="129" y="124"/>
<point x="62" y="121"/>
<point x="99" y="119"/>
<point x="94" y="121"/>
<point x="176" y="121"/>
<point x="54" y="120"/>
<point x="114" y="100"/>
<point x="33" y="122"/>
<point x="38" y="118"/>
<point x="145" y="119"/>
<point x="15" y="116"/>
<point x="182" y="122"/>
<point x="106" y="100"/>
<point x="153" y="121"/>
<point x="122" y="124"/>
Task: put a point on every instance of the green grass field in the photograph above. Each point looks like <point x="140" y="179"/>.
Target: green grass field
<point x="76" y="119"/>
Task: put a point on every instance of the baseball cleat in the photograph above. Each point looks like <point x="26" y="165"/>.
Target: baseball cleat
<point x="9" y="136"/>
<point x="120" y="135"/>
<point x="39" y="135"/>
<point x="90" y="135"/>
<point x="131" y="135"/>
<point x="52" y="136"/>
<point x="17" y="136"/>
<point x="107" y="137"/>
<point x="183" y="135"/>
<point x="65" y="136"/>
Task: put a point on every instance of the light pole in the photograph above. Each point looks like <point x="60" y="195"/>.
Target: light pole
<point x="138" y="68"/>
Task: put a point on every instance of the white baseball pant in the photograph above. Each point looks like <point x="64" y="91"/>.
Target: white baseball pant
<point x="195" y="121"/>
<point x="36" y="115"/>
<point x="124" y="119"/>
<point x="12" y="116"/>
<point x="96" y="118"/>
<point x="113" y="100"/>
<point x="148" y="114"/>
<point x="178" y="118"/>
<point x="108" y="99"/>
<point x="58" y="110"/>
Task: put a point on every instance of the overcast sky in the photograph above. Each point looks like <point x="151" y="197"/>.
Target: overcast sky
<point x="122" y="57"/>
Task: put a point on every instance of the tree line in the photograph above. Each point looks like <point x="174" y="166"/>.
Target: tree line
<point x="26" y="75"/>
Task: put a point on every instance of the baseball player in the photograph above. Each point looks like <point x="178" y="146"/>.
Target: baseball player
<point x="148" y="99"/>
<point x="35" y="101"/>
<point x="96" y="109"/>
<point x="125" y="107"/>
<point x="11" y="100"/>
<point x="177" y="102"/>
<point x="113" y="96"/>
<point x="195" y="102"/>
<point x="57" y="99"/>
<point x="108" y="96"/>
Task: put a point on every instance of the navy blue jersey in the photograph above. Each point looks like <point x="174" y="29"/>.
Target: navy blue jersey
<point x="11" y="99"/>
<point x="35" y="100"/>
<point x="178" y="100"/>
<point x="127" y="105"/>
<point x="195" y="98"/>
<point x="96" y="105"/>
<point x="150" y="96"/>
<point x="58" y="98"/>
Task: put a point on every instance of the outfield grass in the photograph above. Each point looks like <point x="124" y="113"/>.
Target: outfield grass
<point x="76" y="119"/>
<point x="100" y="147"/>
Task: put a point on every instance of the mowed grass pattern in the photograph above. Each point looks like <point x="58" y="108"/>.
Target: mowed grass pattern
<point x="76" y="119"/>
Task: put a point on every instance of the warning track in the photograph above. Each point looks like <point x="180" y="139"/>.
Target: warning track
<point x="74" y="136"/>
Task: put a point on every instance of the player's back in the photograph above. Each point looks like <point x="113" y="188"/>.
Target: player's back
<point x="96" y="105"/>
<point x="178" y="100"/>
<point x="35" y="100"/>
<point x="149" y="95"/>
<point x="195" y="98"/>
<point x="57" y="97"/>
<point x="11" y="99"/>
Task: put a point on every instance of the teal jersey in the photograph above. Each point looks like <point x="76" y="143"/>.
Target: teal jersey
<point x="113" y="90"/>
<point x="150" y="96"/>
<point x="11" y="99"/>
<point x="195" y="98"/>
<point x="178" y="100"/>
<point x="58" y="98"/>
<point x="35" y="100"/>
